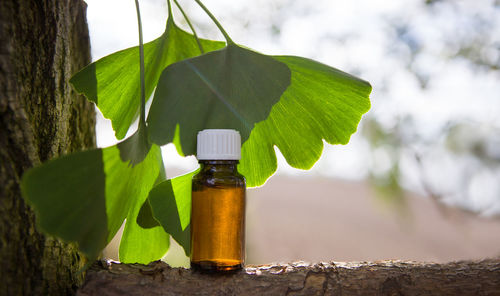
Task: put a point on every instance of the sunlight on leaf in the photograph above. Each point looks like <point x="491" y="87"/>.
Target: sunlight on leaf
<point x="136" y="147"/>
<point x="287" y="102"/>
<point x="113" y="81"/>
<point x="171" y="206"/>
<point x="143" y="239"/>
<point x="84" y="197"/>
<point x="127" y="185"/>
<point x="228" y="88"/>
<point x="142" y="244"/>
<point x="320" y="103"/>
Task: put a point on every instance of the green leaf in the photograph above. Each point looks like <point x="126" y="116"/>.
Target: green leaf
<point x="143" y="239"/>
<point x="84" y="197"/>
<point x="127" y="185"/>
<point x="140" y="244"/>
<point x="228" y="88"/>
<point x="320" y="103"/>
<point x="113" y="81"/>
<point x="136" y="147"/>
<point x="171" y="205"/>
<point x="145" y="217"/>
<point x="68" y="196"/>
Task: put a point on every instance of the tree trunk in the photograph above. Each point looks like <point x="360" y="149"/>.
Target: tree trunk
<point x="42" y="43"/>
<point x="333" y="278"/>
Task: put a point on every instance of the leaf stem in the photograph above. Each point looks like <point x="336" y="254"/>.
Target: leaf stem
<point x="142" y="121"/>
<point x="170" y="14"/>
<point x="190" y="26"/>
<point x="221" y="29"/>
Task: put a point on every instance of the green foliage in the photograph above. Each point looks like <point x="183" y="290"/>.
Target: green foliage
<point x="289" y="102"/>
<point x="231" y="88"/>
<point x="42" y="187"/>
<point x="142" y="244"/>
<point x="113" y="84"/>
<point x="85" y="197"/>
<point x="171" y="205"/>
<point x="320" y="103"/>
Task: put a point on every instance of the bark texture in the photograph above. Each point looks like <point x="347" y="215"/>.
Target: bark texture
<point x="333" y="278"/>
<point x="42" y="43"/>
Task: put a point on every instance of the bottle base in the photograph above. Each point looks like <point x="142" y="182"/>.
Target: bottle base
<point x="215" y="267"/>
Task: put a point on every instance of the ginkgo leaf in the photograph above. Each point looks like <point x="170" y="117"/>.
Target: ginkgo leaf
<point x="142" y="244"/>
<point x="68" y="196"/>
<point x="171" y="206"/>
<point x="145" y="217"/>
<point x="136" y="147"/>
<point x="84" y="197"/>
<point x="320" y="103"/>
<point x="143" y="239"/>
<point x="228" y="88"/>
<point x="113" y="84"/>
<point x="291" y="103"/>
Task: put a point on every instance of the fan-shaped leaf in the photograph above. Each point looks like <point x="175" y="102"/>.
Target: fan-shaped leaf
<point x="68" y="196"/>
<point x="113" y="81"/>
<point x="171" y="206"/>
<point x="228" y="88"/>
<point x="142" y="244"/>
<point x="84" y="197"/>
<point x="143" y="239"/>
<point x="320" y="103"/>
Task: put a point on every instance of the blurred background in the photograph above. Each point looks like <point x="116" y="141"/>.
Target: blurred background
<point x="420" y="180"/>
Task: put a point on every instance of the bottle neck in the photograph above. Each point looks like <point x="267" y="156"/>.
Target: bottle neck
<point x="225" y="165"/>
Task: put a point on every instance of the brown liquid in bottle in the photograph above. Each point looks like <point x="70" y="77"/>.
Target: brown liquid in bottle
<point x="218" y="217"/>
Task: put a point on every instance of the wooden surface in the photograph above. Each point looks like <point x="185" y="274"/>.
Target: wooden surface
<point x="333" y="278"/>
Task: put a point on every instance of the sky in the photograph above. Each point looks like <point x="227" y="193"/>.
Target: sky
<point x="410" y="53"/>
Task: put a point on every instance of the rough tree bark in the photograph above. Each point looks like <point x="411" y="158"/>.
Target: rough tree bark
<point x="42" y="43"/>
<point x="332" y="278"/>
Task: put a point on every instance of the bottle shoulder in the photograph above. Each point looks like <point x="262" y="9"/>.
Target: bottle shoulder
<point x="219" y="179"/>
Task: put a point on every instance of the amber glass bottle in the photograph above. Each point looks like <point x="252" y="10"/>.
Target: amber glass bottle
<point x="218" y="204"/>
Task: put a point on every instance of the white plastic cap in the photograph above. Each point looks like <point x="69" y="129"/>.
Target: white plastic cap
<point x="219" y="144"/>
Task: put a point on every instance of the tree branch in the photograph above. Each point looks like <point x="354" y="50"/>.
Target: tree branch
<point x="333" y="278"/>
